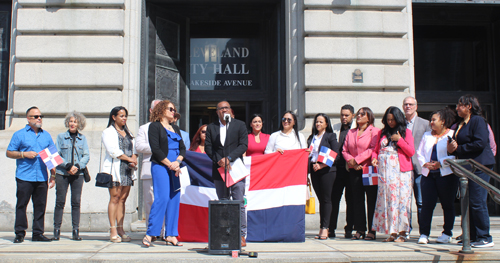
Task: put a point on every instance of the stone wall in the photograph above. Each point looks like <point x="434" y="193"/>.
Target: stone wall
<point x="70" y="55"/>
<point x="344" y="35"/>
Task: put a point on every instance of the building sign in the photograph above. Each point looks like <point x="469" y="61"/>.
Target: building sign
<point x="223" y="63"/>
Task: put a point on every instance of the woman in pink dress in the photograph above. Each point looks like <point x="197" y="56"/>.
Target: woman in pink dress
<point x="392" y="156"/>
<point x="198" y="143"/>
<point x="257" y="140"/>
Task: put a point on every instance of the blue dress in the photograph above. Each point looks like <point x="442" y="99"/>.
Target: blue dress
<point x="166" y="192"/>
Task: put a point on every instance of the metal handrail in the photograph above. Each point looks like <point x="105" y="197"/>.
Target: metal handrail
<point x="459" y="169"/>
<point x="457" y="166"/>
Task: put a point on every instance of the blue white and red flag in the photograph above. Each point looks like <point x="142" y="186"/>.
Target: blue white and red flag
<point x="275" y="190"/>
<point x="327" y="156"/>
<point x="370" y="175"/>
<point x="50" y="157"/>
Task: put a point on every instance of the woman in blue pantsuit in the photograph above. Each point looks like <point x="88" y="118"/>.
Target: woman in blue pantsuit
<point x="167" y="150"/>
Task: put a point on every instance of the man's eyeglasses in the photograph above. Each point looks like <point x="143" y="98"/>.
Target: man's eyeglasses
<point x="408" y="104"/>
<point x="286" y="120"/>
<point x="172" y="110"/>
<point x="223" y="108"/>
<point x="37" y="116"/>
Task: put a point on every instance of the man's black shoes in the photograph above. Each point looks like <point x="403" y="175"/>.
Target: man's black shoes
<point x="19" y="239"/>
<point x="41" y="238"/>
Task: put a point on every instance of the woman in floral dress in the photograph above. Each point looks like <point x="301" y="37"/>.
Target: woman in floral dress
<point x="392" y="156"/>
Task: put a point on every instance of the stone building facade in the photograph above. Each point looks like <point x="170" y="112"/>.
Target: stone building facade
<point x="307" y="56"/>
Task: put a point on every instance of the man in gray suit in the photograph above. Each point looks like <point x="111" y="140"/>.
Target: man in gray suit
<point x="418" y="127"/>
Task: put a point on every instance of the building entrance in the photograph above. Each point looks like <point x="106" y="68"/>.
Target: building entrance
<point x="457" y="52"/>
<point x="199" y="54"/>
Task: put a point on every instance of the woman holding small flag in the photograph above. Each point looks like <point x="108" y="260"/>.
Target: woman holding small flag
<point x="357" y="151"/>
<point x="324" y="146"/>
<point x="392" y="156"/>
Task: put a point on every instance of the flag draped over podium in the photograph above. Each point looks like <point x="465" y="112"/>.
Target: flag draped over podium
<point x="275" y="191"/>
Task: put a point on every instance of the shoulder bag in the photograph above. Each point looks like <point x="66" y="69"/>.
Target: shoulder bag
<point x="104" y="180"/>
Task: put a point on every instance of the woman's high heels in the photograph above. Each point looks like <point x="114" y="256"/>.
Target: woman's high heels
<point x="115" y="239"/>
<point x="358" y="236"/>
<point x="125" y="237"/>
<point x="146" y="242"/>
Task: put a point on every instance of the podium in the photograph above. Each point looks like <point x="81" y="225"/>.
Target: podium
<point x="224" y="227"/>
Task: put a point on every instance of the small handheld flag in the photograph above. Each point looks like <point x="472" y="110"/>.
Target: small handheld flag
<point x="50" y="157"/>
<point x="370" y="175"/>
<point x="327" y="156"/>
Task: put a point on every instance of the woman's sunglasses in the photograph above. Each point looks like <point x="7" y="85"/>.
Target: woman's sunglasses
<point x="286" y="120"/>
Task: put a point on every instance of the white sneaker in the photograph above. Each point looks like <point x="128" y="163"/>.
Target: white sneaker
<point x="423" y="239"/>
<point x="444" y="238"/>
<point x="480" y="244"/>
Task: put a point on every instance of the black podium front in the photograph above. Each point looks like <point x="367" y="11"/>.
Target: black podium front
<point x="224" y="227"/>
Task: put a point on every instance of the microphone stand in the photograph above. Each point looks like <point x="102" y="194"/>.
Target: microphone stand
<point x="228" y="189"/>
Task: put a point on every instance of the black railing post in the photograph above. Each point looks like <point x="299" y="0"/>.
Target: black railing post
<point x="464" y="202"/>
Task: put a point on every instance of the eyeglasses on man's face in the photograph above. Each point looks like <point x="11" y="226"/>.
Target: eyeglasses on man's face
<point x="223" y="108"/>
<point x="36" y="116"/>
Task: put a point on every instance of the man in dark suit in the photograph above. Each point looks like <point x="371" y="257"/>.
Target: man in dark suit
<point x="418" y="127"/>
<point x="224" y="148"/>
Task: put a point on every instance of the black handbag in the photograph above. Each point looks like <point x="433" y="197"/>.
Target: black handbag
<point x="104" y="180"/>
<point x="86" y="175"/>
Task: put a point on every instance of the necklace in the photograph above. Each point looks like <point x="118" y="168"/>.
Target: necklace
<point x="440" y="135"/>
<point x="119" y="129"/>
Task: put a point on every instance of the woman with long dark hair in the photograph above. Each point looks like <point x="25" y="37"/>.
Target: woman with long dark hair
<point x="198" y="143"/>
<point x="392" y="156"/>
<point x="288" y="137"/>
<point x="168" y="151"/>
<point x="438" y="179"/>
<point x="322" y="175"/>
<point x="257" y="140"/>
<point x="357" y="151"/>
<point x="470" y="141"/>
<point x="121" y="162"/>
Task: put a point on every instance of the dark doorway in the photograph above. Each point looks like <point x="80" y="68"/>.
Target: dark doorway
<point x="457" y="52"/>
<point x="5" y="11"/>
<point x="199" y="54"/>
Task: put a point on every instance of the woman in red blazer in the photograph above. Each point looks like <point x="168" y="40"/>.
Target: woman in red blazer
<point x="357" y="151"/>
<point x="392" y="156"/>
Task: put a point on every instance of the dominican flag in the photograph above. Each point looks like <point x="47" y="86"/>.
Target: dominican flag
<point x="50" y="157"/>
<point x="275" y="191"/>
<point x="370" y="175"/>
<point x="327" y="156"/>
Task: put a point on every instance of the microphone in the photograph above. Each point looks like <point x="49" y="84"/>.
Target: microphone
<point x="227" y="117"/>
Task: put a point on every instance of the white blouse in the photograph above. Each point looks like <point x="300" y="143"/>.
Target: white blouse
<point x="424" y="152"/>
<point x="315" y="151"/>
<point x="279" y="140"/>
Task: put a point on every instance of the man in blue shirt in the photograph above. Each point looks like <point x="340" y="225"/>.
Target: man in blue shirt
<point x="31" y="174"/>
